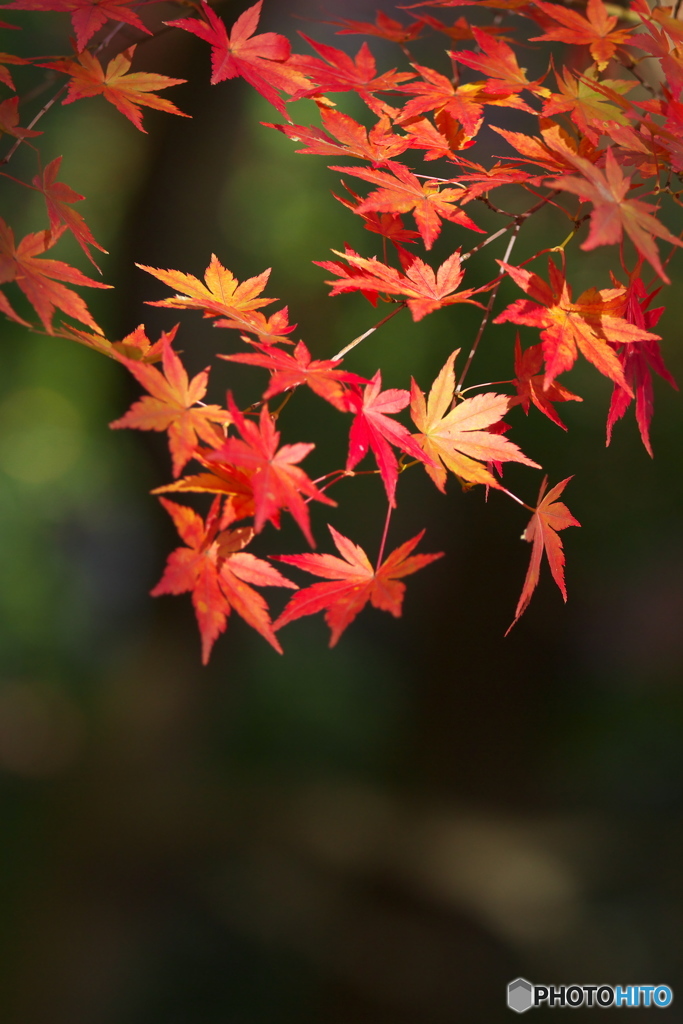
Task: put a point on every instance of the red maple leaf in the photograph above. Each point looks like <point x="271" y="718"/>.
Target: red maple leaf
<point x="424" y="289"/>
<point x="498" y="62"/>
<point x="529" y="383"/>
<point x="377" y="145"/>
<point x="9" y="120"/>
<point x="354" y="583"/>
<point x="276" y="479"/>
<point x="384" y="27"/>
<point x="87" y="16"/>
<point x="172" y="405"/>
<point x="262" y="60"/>
<point x="9" y="58"/>
<point x="638" y="362"/>
<point x="401" y="191"/>
<point x="613" y="213"/>
<point x="338" y="72"/>
<point x="323" y="376"/>
<point x="591" y="325"/>
<point x="597" y="31"/>
<point x="217" y="572"/>
<point x="58" y="197"/>
<point x="389" y="225"/>
<point x="127" y="92"/>
<point x="550" y="516"/>
<point x="373" y="430"/>
<point x="39" y="279"/>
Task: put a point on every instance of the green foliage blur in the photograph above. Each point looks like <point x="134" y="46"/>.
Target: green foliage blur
<point x="385" y="833"/>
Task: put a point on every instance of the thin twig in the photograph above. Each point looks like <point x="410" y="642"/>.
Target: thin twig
<point x="487" y="311"/>
<point x="385" y="533"/>
<point x="362" y="337"/>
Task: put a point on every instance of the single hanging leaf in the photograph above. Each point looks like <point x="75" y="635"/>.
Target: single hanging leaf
<point x="217" y="572"/>
<point x="172" y="405"/>
<point x="58" y="197"/>
<point x="354" y="583"/>
<point x="424" y="289"/>
<point x="127" y="92"/>
<point x="550" y="516"/>
<point x="323" y="376"/>
<point x="276" y="479"/>
<point x="262" y="60"/>
<point x="39" y="279"/>
<point x="459" y="438"/>
<point x="373" y="430"/>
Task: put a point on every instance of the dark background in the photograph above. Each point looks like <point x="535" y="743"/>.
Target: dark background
<point x="386" y="833"/>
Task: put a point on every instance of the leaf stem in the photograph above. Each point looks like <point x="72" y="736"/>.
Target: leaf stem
<point x="362" y="337"/>
<point x="385" y="533"/>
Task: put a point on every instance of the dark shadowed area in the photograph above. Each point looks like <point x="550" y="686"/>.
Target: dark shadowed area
<point x="383" y="833"/>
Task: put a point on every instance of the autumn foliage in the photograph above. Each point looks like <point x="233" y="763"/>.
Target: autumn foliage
<point x="600" y="152"/>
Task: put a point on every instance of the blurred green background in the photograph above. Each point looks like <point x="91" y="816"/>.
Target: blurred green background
<point x="385" y="833"/>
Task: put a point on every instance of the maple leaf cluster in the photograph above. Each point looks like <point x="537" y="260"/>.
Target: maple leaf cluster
<point x="602" y="154"/>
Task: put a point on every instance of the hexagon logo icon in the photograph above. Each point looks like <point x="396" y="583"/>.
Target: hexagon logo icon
<point x="520" y="995"/>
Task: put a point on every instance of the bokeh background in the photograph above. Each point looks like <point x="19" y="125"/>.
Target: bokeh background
<point x="386" y="833"/>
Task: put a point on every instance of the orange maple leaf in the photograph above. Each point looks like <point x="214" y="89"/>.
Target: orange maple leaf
<point x="424" y="289"/>
<point x="457" y="437"/>
<point x="529" y="384"/>
<point x="354" y="583"/>
<point x="550" y="516"/>
<point x="377" y="144"/>
<point x="9" y="120"/>
<point x="222" y="295"/>
<point x="218" y="573"/>
<point x="597" y="30"/>
<point x="127" y="92"/>
<point x="58" y="197"/>
<point x="172" y="405"/>
<point x="39" y="278"/>
<point x="261" y="60"/>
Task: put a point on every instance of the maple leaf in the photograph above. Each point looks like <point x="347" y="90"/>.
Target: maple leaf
<point x="401" y="191"/>
<point x="590" y="325"/>
<point x="550" y="516"/>
<point x="222" y="295"/>
<point x="127" y="92"/>
<point x="276" y="479"/>
<point x="135" y="345"/>
<point x="373" y="430"/>
<point x="217" y="572"/>
<point x="262" y="60"/>
<point x="384" y="27"/>
<point x="424" y="289"/>
<point x="498" y="62"/>
<point x="9" y="58"/>
<point x="593" y="105"/>
<point x="552" y="152"/>
<point x="323" y="376"/>
<point x="338" y="72"/>
<point x="638" y="362"/>
<point x="39" y="278"/>
<point x="389" y="225"/>
<point x="529" y="384"/>
<point x="597" y="30"/>
<point x="613" y="213"/>
<point x="87" y="16"/>
<point x="459" y="437"/>
<point x="378" y="144"/>
<point x="58" y="196"/>
<point x="172" y="405"/>
<point x="9" y="120"/>
<point x="354" y="582"/>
